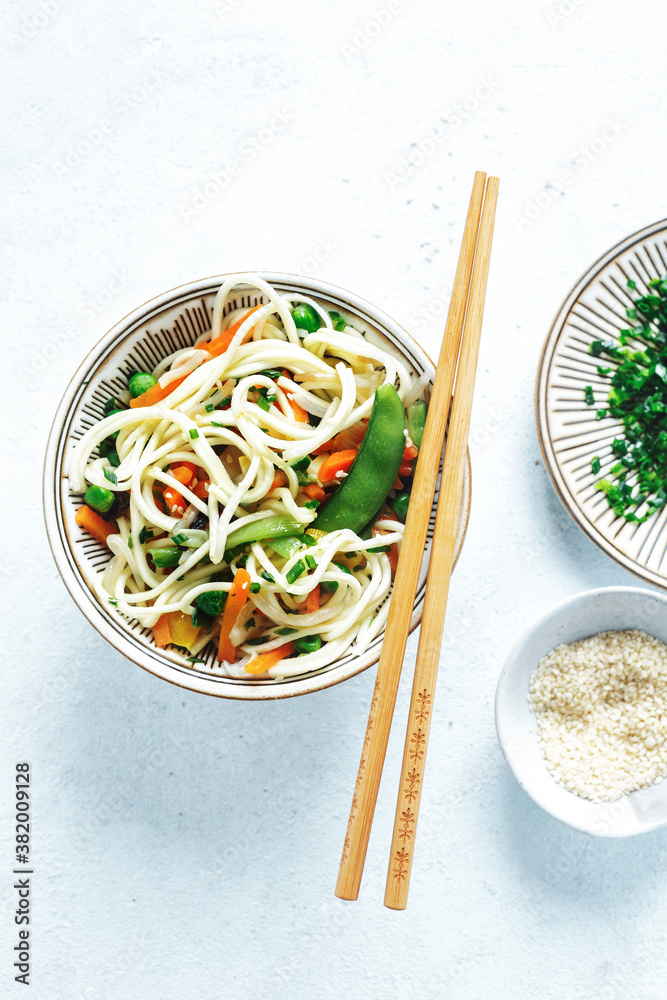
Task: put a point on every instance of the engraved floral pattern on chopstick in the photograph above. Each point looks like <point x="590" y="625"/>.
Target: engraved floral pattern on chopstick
<point x="412" y="785"/>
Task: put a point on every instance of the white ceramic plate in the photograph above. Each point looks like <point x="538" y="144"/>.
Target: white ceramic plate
<point x="172" y="320"/>
<point x="609" y="608"/>
<point x="570" y="436"/>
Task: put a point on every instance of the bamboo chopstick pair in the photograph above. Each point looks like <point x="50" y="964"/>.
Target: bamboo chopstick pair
<point x="460" y="340"/>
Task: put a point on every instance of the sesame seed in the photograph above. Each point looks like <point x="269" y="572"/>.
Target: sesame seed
<point x="601" y="708"/>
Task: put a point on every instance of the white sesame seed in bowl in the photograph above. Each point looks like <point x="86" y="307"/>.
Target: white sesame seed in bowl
<point x="581" y="711"/>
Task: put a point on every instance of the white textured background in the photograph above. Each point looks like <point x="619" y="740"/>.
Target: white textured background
<point x="188" y="847"/>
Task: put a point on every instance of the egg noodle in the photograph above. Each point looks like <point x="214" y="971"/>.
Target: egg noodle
<point x="330" y="373"/>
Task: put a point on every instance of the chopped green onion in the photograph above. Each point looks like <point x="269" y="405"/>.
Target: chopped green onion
<point x="295" y="572"/>
<point x="255" y="587"/>
<point x="110" y="475"/>
<point x="194" y="433"/>
<point x="286" y="631"/>
<point x="250" y="624"/>
<point x="258" y="641"/>
<point x="588" y="395"/>
<point x="331" y="586"/>
<point x="337" y="321"/>
<point x="310" y="562"/>
<point x="144" y="535"/>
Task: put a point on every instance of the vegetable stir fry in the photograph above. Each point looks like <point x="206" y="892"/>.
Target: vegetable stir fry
<point x="636" y="483"/>
<point x="253" y="488"/>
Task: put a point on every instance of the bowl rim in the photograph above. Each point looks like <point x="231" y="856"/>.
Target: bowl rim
<point x="540" y="401"/>
<point x="215" y="685"/>
<point x="505" y="729"/>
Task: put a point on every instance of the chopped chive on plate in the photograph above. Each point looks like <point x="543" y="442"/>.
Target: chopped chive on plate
<point x="574" y="431"/>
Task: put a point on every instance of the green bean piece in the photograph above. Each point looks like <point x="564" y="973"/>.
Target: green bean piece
<point x="361" y="495"/>
<point x="167" y="556"/>
<point x="417" y="421"/>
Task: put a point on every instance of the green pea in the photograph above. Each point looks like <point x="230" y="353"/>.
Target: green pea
<point x="140" y="383"/>
<point x="307" y="644"/>
<point x="306" y="318"/>
<point x="99" y="499"/>
<point x="399" y="505"/>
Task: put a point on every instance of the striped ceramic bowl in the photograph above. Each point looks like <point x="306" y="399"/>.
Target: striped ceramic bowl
<point x="139" y="341"/>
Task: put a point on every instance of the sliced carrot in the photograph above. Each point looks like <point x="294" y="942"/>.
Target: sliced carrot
<point x="270" y="658"/>
<point x="279" y="479"/>
<point x="94" y="524"/>
<point x="236" y="599"/>
<point x="398" y="485"/>
<point x="339" y="461"/>
<point x="405" y="469"/>
<point x="161" y="633"/>
<point x="410" y="453"/>
<point x="174" y="501"/>
<point x="184" y="472"/>
<point x="393" y="559"/>
<point x="313" y="600"/>
<point x="220" y="344"/>
<point x="315" y="492"/>
<point x="201" y="489"/>
<point x="300" y="415"/>
<point x="156" y="393"/>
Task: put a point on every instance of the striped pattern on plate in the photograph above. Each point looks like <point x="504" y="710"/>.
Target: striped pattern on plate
<point x="569" y="432"/>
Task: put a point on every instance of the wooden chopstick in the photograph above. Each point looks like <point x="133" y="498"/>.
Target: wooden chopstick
<point x="440" y="570"/>
<point x="407" y="573"/>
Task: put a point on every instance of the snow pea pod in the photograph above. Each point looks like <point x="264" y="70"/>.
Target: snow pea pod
<point x="361" y="494"/>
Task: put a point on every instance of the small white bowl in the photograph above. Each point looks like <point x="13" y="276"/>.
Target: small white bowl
<point x="586" y="614"/>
